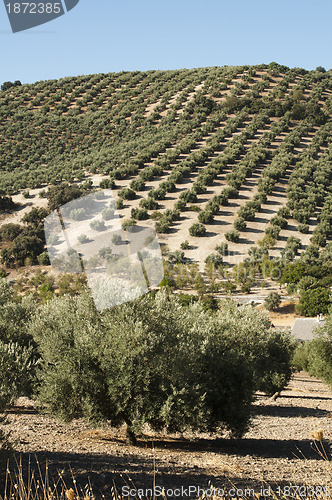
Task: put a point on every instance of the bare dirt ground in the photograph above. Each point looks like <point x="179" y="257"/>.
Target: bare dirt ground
<point x="278" y="450"/>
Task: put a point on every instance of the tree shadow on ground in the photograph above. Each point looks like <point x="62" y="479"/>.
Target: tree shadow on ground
<point x="290" y="411"/>
<point x="130" y="467"/>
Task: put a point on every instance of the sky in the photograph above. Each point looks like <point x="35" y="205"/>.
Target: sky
<point x="101" y="36"/>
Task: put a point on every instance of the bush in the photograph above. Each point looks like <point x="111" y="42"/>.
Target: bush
<point x="62" y="194"/>
<point x="82" y="238"/>
<point x="116" y="239"/>
<point x="320" y="349"/>
<point x="139" y="213"/>
<point x="18" y="352"/>
<point x="303" y="228"/>
<point x="222" y="249"/>
<point x="205" y="217"/>
<point x="316" y="301"/>
<point x="197" y="229"/>
<point x="300" y="359"/>
<point x="35" y="217"/>
<point x="16" y="366"/>
<point x="8" y="232"/>
<point x="127" y="194"/>
<point x="43" y="259"/>
<point x="149" y="204"/>
<point x="98" y="225"/>
<point x="274" y="367"/>
<point x="107" y="184"/>
<point x="137" y="184"/>
<point x="233" y="236"/>
<point x="108" y="213"/>
<point x="119" y="203"/>
<point x="215" y="259"/>
<point x="201" y="373"/>
<point x="240" y="224"/>
<point x="128" y="224"/>
<point x="272" y="301"/>
<point x="77" y="214"/>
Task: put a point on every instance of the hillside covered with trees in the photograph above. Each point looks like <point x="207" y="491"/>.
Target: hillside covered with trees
<point x="231" y="165"/>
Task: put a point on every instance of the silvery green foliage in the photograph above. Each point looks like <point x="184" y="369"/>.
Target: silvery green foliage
<point x="320" y="351"/>
<point x="151" y="361"/>
<point x="16" y="364"/>
<point x="18" y="355"/>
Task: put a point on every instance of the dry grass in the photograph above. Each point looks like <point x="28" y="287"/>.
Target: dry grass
<point x="29" y="485"/>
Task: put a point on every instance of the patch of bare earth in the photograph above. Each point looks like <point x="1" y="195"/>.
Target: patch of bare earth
<point x="278" y="449"/>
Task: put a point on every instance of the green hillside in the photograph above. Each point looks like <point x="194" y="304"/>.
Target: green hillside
<point x="236" y="155"/>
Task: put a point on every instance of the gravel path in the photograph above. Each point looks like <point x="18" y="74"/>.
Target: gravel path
<point x="279" y="449"/>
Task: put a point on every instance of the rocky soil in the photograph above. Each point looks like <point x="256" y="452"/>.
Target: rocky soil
<point x="283" y="447"/>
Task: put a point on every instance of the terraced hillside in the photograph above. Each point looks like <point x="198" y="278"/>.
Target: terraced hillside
<point x="236" y="154"/>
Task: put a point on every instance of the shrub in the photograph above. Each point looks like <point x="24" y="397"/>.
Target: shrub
<point x="205" y="217"/>
<point x="116" y="239"/>
<point x="128" y="224"/>
<point x="240" y="224"/>
<point x="77" y="214"/>
<point x="274" y="367"/>
<point x="62" y="194"/>
<point x="233" y="236"/>
<point x="300" y="359"/>
<point x="108" y="213"/>
<point x="185" y="245"/>
<point x="229" y="287"/>
<point x="197" y="229"/>
<point x="272" y="301"/>
<point x="272" y="231"/>
<point x="18" y="352"/>
<point x="168" y="283"/>
<point x="277" y="220"/>
<point x="320" y="359"/>
<point x="35" y="217"/>
<point x="149" y="204"/>
<point x="8" y="232"/>
<point x="6" y="203"/>
<point x="176" y="257"/>
<point x="83" y="239"/>
<point x="201" y="373"/>
<point x="315" y="301"/>
<point x="26" y="246"/>
<point x="222" y="249"/>
<point x="98" y="225"/>
<point x="293" y="244"/>
<point x="119" y="203"/>
<point x="43" y="259"/>
<point x="215" y="259"/>
<point x="303" y="228"/>
<point x="107" y="184"/>
<point x="127" y="194"/>
<point x="139" y="213"/>
<point x="137" y="184"/>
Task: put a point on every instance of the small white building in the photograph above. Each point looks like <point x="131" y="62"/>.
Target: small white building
<point x="303" y="328"/>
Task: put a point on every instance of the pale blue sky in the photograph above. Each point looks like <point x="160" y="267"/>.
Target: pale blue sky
<point x="100" y="36"/>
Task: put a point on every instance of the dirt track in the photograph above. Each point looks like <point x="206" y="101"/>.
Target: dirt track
<point x="279" y="448"/>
